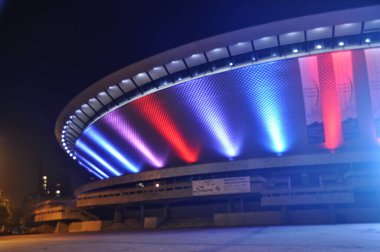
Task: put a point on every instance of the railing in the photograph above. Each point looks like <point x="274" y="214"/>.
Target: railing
<point x="57" y="213"/>
<point x="337" y="190"/>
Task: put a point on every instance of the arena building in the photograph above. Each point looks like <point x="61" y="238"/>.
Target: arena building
<point x="273" y="124"/>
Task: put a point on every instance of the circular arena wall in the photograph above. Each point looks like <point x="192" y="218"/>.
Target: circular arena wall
<point x="309" y="88"/>
<point x="250" y="112"/>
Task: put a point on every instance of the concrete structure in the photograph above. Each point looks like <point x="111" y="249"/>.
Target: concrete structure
<point x="61" y="216"/>
<point x="259" y="126"/>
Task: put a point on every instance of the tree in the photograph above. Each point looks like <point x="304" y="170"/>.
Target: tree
<point x="5" y="210"/>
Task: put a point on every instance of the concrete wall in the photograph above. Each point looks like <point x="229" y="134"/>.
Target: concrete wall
<point x="60" y="213"/>
<point x="123" y="196"/>
<point x="249" y="164"/>
<point x="249" y="219"/>
<point x="299" y="217"/>
<point x="88" y="226"/>
<point x="197" y="211"/>
<point x="61" y="227"/>
<point x="346" y="215"/>
<point x="311" y="216"/>
<point x="45" y="228"/>
<point x="152" y="222"/>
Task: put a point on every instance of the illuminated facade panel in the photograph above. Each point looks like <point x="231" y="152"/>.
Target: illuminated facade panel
<point x="255" y="111"/>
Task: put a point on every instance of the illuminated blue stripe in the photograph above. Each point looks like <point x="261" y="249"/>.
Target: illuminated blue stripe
<point x="90" y="152"/>
<point x="91" y="171"/>
<point x="268" y="96"/>
<point x="273" y="124"/>
<point x="100" y="140"/>
<point x="209" y="112"/>
<point x="93" y="167"/>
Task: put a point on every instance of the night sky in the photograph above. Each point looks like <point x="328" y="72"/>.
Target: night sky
<point x="51" y="50"/>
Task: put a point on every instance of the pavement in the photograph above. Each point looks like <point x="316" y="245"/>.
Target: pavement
<point x="347" y="237"/>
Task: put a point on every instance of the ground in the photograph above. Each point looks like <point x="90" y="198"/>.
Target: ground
<point x="352" y="237"/>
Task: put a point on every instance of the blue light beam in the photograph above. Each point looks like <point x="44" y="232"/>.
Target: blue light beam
<point x="87" y="164"/>
<point x="102" y="142"/>
<point x="269" y="99"/>
<point x="207" y="109"/>
<point x="83" y="147"/>
<point x="272" y="121"/>
<point x="91" y="171"/>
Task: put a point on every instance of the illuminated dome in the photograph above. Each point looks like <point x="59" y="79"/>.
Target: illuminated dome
<point x="290" y="88"/>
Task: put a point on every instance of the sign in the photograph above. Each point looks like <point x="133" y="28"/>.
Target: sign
<point x="344" y="79"/>
<point x="221" y="186"/>
<point x="312" y="99"/>
<point x="372" y="57"/>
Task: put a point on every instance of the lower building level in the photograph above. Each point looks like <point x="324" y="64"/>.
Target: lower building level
<point x="319" y="194"/>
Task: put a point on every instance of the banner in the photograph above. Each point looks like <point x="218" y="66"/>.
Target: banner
<point x="344" y="79"/>
<point x="312" y="100"/>
<point x="221" y="186"/>
<point x="372" y="57"/>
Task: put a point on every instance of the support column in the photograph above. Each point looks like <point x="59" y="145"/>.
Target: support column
<point x="241" y="204"/>
<point x="331" y="214"/>
<point x="118" y="216"/>
<point x="167" y="211"/>
<point x="284" y="212"/>
<point x="142" y="215"/>
<point x="229" y="205"/>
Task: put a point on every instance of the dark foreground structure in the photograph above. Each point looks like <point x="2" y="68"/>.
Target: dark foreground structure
<point x="268" y="125"/>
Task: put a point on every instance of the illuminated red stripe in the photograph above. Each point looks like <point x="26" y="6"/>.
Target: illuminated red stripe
<point x="344" y="79"/>
<point x="330" y="102"/>
<point x="153" y="111"/>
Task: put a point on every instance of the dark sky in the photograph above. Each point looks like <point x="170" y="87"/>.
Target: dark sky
<point x="51" y="50"/>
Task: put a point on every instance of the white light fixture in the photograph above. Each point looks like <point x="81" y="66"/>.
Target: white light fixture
<point x="217" y="49"/>
<point x="367" y="40"/>
<point x="318" y="47"/>
<point x="295" y="50"/>
<point x="231" y="64"/>
<point x="341" y="43"/>
<point x="157" y="185"/>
